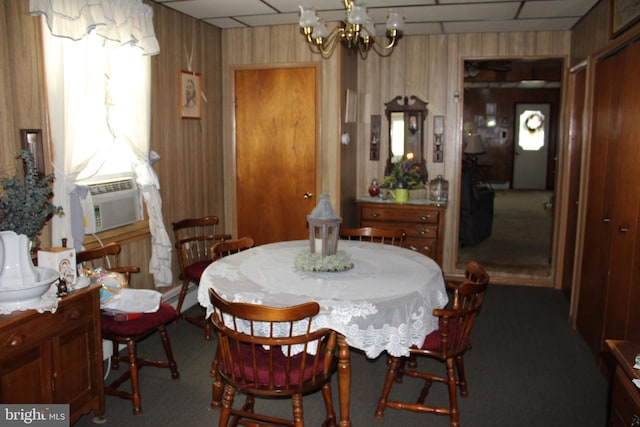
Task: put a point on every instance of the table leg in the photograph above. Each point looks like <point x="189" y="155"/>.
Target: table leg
<point x="344" y="380"/>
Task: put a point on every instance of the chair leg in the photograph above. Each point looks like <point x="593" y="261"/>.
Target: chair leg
<point x="462" y="379"/>
<point x="330" y="420"/>
<point x="136" y="399"/>
<point x="298" y="416"/>
<point x="164" y="337"/>
<point x="217" y="387"/>
<point x="392" y="363"/>
<point x="183" y="295"/>
<point x="227" y="402"/>
<point x="453" y="393"/>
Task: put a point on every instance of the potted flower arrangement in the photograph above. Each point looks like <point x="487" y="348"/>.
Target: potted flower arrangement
<point x="25" y="207"/>
<point x="26" y="204"/>
<point x="402" y="176"/>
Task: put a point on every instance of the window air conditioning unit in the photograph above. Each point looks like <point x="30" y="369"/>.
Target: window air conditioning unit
<point x="110" y="204"/>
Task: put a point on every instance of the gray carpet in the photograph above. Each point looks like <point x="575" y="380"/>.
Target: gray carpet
<point x="520" y="240"/>
<point x="527" y="368"/>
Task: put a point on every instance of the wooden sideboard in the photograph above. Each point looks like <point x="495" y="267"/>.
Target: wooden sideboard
<point x="422" y="221"/>
<point x="55" y="357"/>
<point x="625" y="396"/>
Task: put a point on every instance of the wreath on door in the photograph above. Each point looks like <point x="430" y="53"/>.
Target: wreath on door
<point x="534" y="123"/>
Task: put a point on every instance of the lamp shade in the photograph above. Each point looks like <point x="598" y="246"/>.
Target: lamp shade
<point x="473" y="144"/>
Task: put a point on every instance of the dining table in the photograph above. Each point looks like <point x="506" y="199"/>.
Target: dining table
<point x="384" y="303"/>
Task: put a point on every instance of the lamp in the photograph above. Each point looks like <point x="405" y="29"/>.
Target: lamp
<point x="357" y="32"/>
<point x="473" y="146"/>
<point x="324" y="227"/>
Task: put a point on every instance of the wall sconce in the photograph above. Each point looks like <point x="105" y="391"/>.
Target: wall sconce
<point x="438" y="146"/>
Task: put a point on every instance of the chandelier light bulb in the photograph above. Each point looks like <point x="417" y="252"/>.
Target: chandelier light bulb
<point x="395" y="20"/>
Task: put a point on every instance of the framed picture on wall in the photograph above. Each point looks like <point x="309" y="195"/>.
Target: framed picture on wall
<point x="624" y="14"/>
<point x="190" y="101"/>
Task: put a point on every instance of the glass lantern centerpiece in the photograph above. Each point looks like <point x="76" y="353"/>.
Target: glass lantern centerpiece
<point x="324" y="233"/>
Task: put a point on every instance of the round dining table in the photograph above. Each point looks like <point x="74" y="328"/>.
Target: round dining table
<point x="384" y="303"/>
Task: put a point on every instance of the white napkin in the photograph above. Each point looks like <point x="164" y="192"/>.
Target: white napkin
<point x="134" y="301"/>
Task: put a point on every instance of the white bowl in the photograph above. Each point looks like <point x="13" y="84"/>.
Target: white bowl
<point x="31" y="292"/>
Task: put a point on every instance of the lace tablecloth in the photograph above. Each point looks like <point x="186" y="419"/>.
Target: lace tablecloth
<point x="384" y="303"/>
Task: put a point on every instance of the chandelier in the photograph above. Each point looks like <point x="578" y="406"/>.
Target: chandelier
<point x="357" y="32"/>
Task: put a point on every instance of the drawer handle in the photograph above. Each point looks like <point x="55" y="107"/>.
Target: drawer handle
<point x="424" y="217"/>
<point x="375" y="214"/>
<point x="635" y="421"/>
<point x="15" y="340"/>
<point x="423" y="231"/>
<point x="73" y="314"/>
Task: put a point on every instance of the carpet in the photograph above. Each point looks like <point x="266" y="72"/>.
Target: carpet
<point x="527" y="367"/>
<point x="521" y="235"/>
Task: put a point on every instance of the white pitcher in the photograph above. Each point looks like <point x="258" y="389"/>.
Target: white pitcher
<point x="17" y="265"/>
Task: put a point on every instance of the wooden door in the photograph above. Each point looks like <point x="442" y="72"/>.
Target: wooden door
<point x="577" y="86"/>
<point x="622" y="318"/>
<point x="609" y="294"/>
<point x="275" y="152"/>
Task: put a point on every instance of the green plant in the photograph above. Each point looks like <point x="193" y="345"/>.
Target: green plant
<point x="26" y="204"/>
<point x="404" y="173"/>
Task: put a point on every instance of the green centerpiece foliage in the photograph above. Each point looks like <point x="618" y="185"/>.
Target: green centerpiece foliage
<point x="26" y="204"/>
<point x="306" y="261"/>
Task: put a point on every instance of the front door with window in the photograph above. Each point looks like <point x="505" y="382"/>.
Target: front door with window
<point x="531" y="147"/>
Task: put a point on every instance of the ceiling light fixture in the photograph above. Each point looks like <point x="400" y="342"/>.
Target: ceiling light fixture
<point x="357" y="32"/>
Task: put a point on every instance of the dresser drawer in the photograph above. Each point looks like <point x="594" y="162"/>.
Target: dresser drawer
<point x="31" y="329"/>
<point x="428" y="247"/>
<point x="400" y="215"/>
<point x="625" y="401"/>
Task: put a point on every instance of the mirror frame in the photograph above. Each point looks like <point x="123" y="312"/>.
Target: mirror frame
<point x="411" y="106"/>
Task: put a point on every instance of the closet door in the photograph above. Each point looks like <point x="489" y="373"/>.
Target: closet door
<point x="609" y="294"/>
<point x="622" y="320"/>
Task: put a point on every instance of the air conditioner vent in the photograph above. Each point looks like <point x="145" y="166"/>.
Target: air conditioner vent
<point x="110" y="187"/>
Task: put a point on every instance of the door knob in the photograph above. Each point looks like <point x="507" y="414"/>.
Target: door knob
<point x="623" y="229"/>
<point x="308" y="195"/>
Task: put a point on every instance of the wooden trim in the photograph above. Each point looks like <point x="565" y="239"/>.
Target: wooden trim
<point x="122" y="235"/>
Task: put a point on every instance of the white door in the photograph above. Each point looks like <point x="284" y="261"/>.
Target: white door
<point x="531" y="147"/>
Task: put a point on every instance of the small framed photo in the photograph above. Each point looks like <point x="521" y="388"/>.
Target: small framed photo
<point x="624" y="13"/>
<point x="32" y="141"/>
<point x="190" y="100"/>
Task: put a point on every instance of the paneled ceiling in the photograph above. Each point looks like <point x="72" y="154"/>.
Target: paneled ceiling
<point x="421" y="16"/>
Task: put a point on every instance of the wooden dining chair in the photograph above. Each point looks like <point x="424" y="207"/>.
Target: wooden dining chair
<point x="193" y="238"/>
<point x="130" y="332"/>
<point x="229" y="247"/>
<point x="271" y="352"/>
<point x="371" y="234"/>
<point x="447" y="344"/>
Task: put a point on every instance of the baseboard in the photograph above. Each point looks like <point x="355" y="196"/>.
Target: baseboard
<point x="172" y="295"/>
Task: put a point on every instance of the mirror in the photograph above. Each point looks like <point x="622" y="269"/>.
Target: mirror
<point x="406" y="118"/>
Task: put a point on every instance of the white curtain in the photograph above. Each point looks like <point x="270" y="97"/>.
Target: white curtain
<point x="98" y="77"/>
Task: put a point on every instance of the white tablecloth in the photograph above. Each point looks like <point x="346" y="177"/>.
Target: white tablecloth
<point x="383" y="304"/>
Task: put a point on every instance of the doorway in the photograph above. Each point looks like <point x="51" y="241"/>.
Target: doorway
<point x="276" y="119"/>
<point x="519" y="247"/>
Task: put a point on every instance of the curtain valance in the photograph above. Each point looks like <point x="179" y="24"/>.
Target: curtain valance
<point x="121" y="21"/>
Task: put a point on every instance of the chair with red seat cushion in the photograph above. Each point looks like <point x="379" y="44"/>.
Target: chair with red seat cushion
<point x="193" y="238"/>
<point x="448" y="344"/>
<point x="274" y="352"/>
<point x="129" y="332"/>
